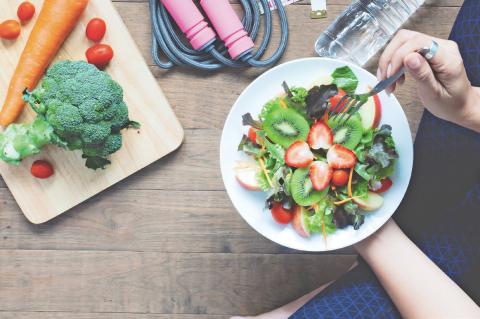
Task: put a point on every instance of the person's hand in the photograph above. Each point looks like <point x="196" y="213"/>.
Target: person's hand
<point x="442" y="82"/>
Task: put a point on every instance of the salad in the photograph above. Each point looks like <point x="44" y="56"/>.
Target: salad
<point x="320" y="172"/>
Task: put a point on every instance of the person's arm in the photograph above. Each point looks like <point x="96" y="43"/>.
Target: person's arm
<point x="418" y="288"/>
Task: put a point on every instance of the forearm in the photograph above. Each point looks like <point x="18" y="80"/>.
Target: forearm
<point x="415" y="284"/>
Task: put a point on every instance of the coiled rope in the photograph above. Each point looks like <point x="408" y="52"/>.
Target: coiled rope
<point x="166" y="42"/>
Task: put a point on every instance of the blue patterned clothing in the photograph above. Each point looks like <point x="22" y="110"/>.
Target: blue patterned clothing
<point x="441" y="211"/>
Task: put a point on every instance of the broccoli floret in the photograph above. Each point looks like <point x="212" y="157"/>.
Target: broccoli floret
<point x="65" y="118"/>
<point x="78" y="107"/>
<point x="95" y="133"/>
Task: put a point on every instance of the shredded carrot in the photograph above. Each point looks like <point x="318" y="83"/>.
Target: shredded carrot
<point x="350" y="194"/>
<point x="283" y="104"/>
<point x="346" y="200"/>
<point x="325" y="117"/>
<point x="324" y="232"/>
<point x="341" y="202"/>
<point x="265" y="171"/>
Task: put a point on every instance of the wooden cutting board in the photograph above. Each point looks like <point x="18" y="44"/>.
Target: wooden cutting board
<point x="73" y="183"/>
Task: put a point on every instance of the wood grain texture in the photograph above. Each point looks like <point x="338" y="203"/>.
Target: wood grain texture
<point x="135" y="282"/>
<point x="141" y="220"/>
<point x="132" y="252"/>
<point x="161" y="133"/>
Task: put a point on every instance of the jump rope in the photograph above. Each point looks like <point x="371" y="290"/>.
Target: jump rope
<point x="236" y="48"/>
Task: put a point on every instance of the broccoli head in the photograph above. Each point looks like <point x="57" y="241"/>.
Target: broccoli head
<point x="78" y="107"/>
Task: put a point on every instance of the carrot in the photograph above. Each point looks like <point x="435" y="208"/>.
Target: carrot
<point x="346" y="200"/>
<point x="55" y="22"/>
<point x="349" y="187"/>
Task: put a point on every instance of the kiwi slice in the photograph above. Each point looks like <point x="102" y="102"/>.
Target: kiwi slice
<point x="302" y="189"/>
<point x="348" y="134"/>
<point x="285" y="126"/>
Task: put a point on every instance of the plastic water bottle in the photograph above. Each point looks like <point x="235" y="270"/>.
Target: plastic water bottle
<point x="364" y="28"/>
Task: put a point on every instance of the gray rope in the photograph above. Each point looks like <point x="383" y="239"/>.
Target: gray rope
<point x="166" y="42"/>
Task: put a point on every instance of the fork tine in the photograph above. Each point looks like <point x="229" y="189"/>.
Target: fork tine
<point x="353" y="111"/>
<point x="346" y="112"/>
<point x="339" y="103"/>
<point x="345" y="108"/>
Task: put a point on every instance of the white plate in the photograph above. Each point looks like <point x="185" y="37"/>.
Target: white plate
<point x="251" y="205"/>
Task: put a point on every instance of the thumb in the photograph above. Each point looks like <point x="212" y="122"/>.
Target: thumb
<point x="421" y="71"/>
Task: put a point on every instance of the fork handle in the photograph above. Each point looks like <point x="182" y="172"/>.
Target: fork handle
<point x="382" y="85"/>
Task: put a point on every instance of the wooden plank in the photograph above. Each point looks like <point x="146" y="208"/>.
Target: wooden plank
<point x="216" y="284"/>
<point x="73" y="183"/>
<point x="166" y="221"/>
<point x="74" y="315"/>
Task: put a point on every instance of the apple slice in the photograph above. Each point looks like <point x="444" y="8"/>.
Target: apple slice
<point x="246" y="175"/>
<point x="298" y="222"/>
<point x="371" y="113"/>
<point x="372" y="202"/>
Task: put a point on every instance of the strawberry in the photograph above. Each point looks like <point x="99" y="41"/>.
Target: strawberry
<point x="320" y="175"/>
<point x="298" y="155"/>
<point x="338" y="156"/>
<point x="320" y="136"/>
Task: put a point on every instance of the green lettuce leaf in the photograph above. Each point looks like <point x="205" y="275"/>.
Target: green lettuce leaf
<point x="263" y="182"/>
<point x="313" y="221"/>
<point x="360" y="188"/>
<point x="361" y="170"/>
<point x="249" y="148"/>
<point x="345" y="79"/>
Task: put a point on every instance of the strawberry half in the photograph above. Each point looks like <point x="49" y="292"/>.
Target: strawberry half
<point x="320" y="136"/>
<point x="320" y="175"/>
<point x="338" y="156"/>
<point x="298" y="155"/>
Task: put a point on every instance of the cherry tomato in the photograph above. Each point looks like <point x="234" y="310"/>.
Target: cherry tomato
<point x="41" y="169"/>
<point x="252" y="135"/>
<point x="340" y="177"/>
<point x="335" y="99"/>
<point x="99" y="55"/>
<point x="10" y="30"/>
<point x="282" y="215"/>
<point x="386" y="184"/>
<point x="26" y="11"/>
<point x="96" y="29"/>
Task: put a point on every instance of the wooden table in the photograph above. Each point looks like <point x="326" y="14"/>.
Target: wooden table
<point x="167" y="243"/>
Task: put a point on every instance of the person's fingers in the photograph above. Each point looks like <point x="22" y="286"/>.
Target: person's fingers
<point x="448" y="64"/>
<point x="420" y="70"/>
<point x="446" y="50"/>
<point x="398" y="40"/>
<point x="417" y="42"/>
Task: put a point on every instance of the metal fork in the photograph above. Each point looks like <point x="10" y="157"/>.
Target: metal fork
<point x="346" y="109"/>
